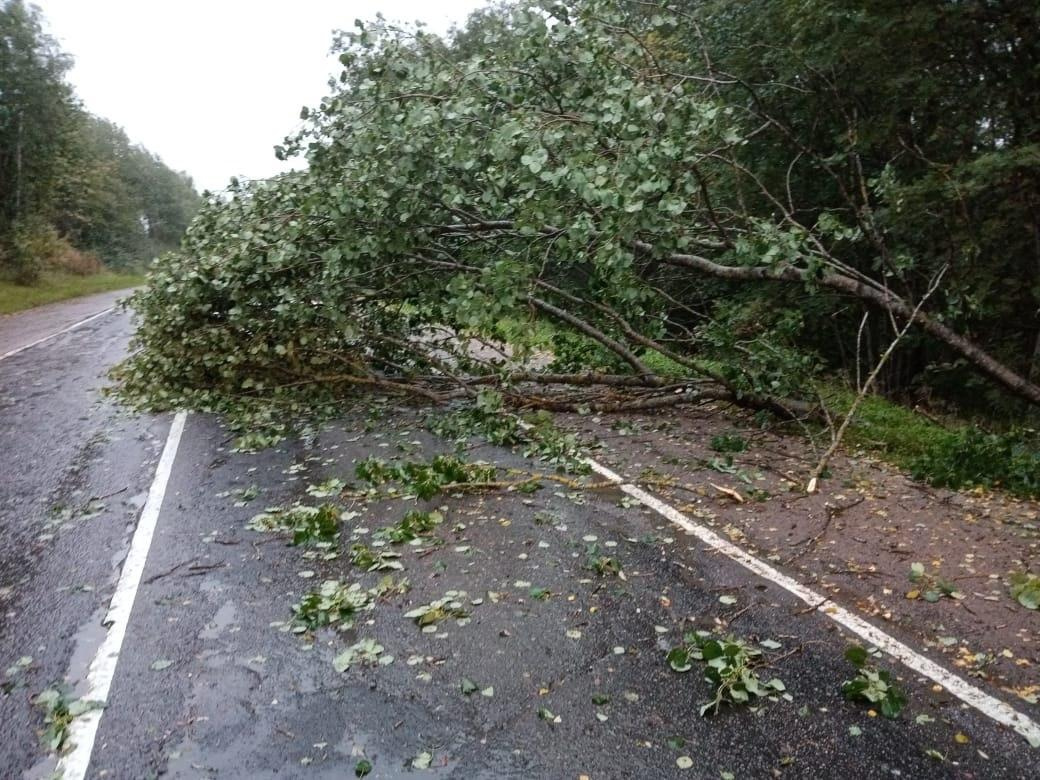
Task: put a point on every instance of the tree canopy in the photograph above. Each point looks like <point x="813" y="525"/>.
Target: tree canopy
<point x="71" y="181"/>
<point x="697" y="199"/>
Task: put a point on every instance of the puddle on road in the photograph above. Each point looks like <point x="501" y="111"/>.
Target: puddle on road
<point x="225" y="617"/>
<point x="43" y="769"/>
<point x="357" y="745"/>
<point x="86" y="641"/>
<point x="138" y="501"/>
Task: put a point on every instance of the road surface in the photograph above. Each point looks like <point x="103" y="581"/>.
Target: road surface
<point x="557" y="672"/>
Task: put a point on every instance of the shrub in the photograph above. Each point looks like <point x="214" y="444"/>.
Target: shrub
<point x="970" y="457"/>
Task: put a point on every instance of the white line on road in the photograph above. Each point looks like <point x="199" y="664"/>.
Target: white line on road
<point x="969" y="694"/>
<point x="73" y="326"/>
<point x="83" y="731"/>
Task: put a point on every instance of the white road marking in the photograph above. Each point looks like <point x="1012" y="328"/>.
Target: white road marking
<point x="966" y="692"/>
<point x="73" y="326"/>
<point x="83" y="731"/>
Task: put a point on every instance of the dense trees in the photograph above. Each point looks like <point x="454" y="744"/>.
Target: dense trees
<point x="916" y="125"/>
<point x="70" y="182"/>
<point x="707" y="199"/>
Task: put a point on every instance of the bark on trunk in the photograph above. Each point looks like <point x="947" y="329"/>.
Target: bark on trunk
<point x="982" y="360"/>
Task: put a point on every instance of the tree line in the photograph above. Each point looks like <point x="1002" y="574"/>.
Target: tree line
<point x="75" y="192"/>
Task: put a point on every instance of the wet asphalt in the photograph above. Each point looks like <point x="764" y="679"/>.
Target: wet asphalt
<point x="208" y="686"/>
<point x="74" y="472"/>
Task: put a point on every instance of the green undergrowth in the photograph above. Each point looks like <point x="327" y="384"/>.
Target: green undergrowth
<point x="952" y="453"/>
<point x="956" y="454"/>
<point x="55" y="286"/>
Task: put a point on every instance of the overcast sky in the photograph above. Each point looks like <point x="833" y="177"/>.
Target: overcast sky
<point x="212" y="85"/>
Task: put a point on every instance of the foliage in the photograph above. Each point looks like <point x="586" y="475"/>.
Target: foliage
<point x="367" y="559"/>
<point x="729" y="665"/>
<point x="327" y="489"/>
<point x="1025" y="589"/>
<point x="366" y="652"/>
<point x="551" y="445"/>
<point x="970" y="457"/>
<point x="643" y="176"/>
<point x="424" y="480"/>
<point x="59" y="710"/>
<point x="72" y="185"/>
<point x="428" y="615"/>
<point x="729" y="442"/>
<point x="933" y="586"/>
<point x="485" y="416"/>
<point x="602" y="565"/>
<point x="332" y="604"/>
<point x="537" y="433"/>
<point x="308" y="524"/>
<point x="917" y="133"/>
<point x="414" y="524"/>
<point x="951" y="454"/>
<point x="872" y="685"/>
<point x="331" y="273"/>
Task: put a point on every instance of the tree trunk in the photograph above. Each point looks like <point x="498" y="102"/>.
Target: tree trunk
<point x="982" y="360"/>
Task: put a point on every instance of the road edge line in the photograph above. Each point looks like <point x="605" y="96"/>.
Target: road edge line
<point x="83" y="730"/>
<point x="71" y="327"/>
<point x="988" y="705"/>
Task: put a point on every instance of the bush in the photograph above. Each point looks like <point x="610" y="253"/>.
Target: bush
<point x="970" y="457"/>
<point x="34" y="246"/>
<point x="30" y="243"/>
<point x="72" y="261"/>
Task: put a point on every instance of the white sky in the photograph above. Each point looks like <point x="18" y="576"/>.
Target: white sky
<point x="212" y="85"/>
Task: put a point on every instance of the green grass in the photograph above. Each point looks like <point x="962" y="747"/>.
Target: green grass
<point x="955" y="453"/>
<point x="59" y="287"/>
<point x="897" y="433"/>
<point x="951" y="452"/>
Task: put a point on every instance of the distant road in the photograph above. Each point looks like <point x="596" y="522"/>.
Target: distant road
<point x="23" y="328"/>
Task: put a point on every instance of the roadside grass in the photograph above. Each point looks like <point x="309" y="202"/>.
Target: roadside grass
<point x="57" y="286"/>
<point x="953" y="452"/>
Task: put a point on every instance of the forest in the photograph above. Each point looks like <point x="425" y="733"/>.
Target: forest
<point x="803" y="208"/>
<point x="76" y="195"/>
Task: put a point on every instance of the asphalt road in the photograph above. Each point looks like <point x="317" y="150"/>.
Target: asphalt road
<point x="568" y="665"/>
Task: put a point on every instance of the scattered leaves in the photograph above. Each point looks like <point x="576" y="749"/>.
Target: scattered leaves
<point x="729" y="665"/>
<point x="872" y="685"/>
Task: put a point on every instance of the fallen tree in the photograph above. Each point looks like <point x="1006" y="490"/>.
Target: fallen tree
<point x="571" y="188"/>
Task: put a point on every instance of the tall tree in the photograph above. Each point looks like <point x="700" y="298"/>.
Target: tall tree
<point x="68" y="178"/>
<point x="37" y="116"/>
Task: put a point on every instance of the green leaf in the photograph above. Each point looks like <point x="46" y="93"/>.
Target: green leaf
<point x="679" y="659"/>
<point x="80" y="706"/>
<point x="423" y="760"/>
<point x="343" y="661"/>
<point x="856" y="655"/>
